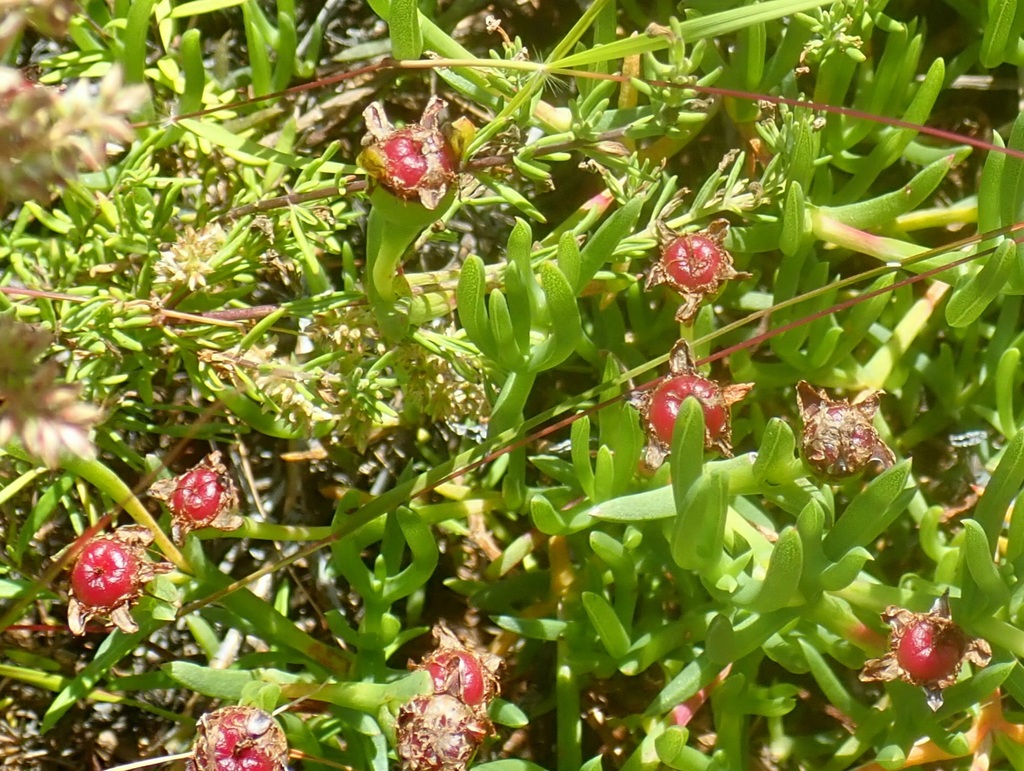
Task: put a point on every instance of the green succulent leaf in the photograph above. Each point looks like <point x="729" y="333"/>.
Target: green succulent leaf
<point x="871" y="512"/>
<point x="606" y="623"/>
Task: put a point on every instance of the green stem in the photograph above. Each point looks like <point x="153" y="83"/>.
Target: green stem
<point x="508" y="409"/>
<point x="567" y="700"/>
<point x="391" y="229"/>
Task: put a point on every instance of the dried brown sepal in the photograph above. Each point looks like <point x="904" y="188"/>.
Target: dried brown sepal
<point x="220" y="513"/>
<point x="417" y="161"/>
<point x="440" y="733"/>
<point x="237" y="738"/>
<point x="927" y="650"/>
<point x="132" y="541"/>
<point x="658" y="406"/>
<point x="694" y="266"/>
<point x="457" y="670"/>
<point x="838" y="437"/>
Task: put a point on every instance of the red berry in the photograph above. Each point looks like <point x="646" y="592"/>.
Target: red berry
<point x="198" y="496"/>
<point x="407" y="159"/>
<point x="927" y="654"/>
<point x="417" y="161"/>
<point x="239" y="739"/>
<point x="668" y="398"/>
<point x="692" y="262"/>
<point x="458" y="673"/>
<point x="202" y="497"/>
<point x="105" y="573"/>
<point x="108" y="577"/>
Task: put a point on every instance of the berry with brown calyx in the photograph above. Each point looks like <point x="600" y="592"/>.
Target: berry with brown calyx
<point x="202" y="497"/>
<point x="440" y="733"/>
<point x="238" y="739"/>
<point x="456" y="670"/>
<point x="695" y="266"/>
<point x="417" y="161"/>
<point x="928" y="652"/>
<point x="838" y="437"/>
<point x="926" y="649"/>
<point x="443" y="731"/>
<point x="108" y="576"/>
<point x="659" y="407"/>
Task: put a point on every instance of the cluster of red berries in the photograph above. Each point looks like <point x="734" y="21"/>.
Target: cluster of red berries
<point x="442" y="731"/>
<point x="111" y="571"/>
<point x="838" y="439"/>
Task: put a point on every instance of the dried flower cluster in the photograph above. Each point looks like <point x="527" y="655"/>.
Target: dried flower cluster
<point x="297" y="395"/>
<point x="108" y="577"/>
<point x="47" y="417"/>
<point x="238" y="739"/>
<point x="926" y="649"/>
<point x="188" y="261"/>
<point x="49" y="17"/>
<point x="435" y="388"/>
<point x="47" y="135"/>
<point x="443" y="731"/>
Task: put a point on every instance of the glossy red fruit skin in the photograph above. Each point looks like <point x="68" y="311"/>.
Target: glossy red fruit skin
<point x="407" y="161"/>
<point x="239" y="739"/>
<point x="668" y="399"/>
<point x="468" y="684"/>
<point x="198" y="496"/>
<point x="105" y="574"/>
<point x="926" y="654"/>
<point x="692" y="262"/>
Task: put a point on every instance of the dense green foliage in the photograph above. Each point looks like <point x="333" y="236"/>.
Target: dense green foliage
<point x="376" y="372"/>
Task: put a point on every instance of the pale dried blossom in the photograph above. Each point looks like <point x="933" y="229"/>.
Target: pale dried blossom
<point x="47" y="417"/>
<point x="49" y="17"/>
<point x="47" y="134"/>
<point x="437" y="389"/>
<point x="189" y="260"/>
